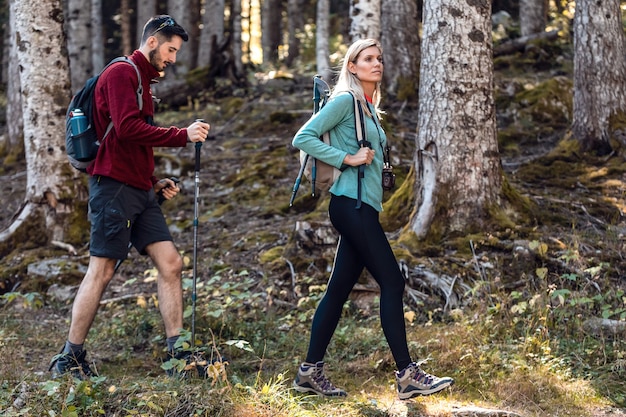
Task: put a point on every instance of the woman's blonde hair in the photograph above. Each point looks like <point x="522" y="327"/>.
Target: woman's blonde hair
<point x="347" y="81"/>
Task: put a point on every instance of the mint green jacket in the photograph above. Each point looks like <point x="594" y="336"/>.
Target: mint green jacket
<point x="337" y="116"/>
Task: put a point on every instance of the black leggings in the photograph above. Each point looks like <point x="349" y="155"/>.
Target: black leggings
<point x="362" y="244"/>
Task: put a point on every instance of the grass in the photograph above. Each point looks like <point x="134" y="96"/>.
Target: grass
<point x="525" y="360"/>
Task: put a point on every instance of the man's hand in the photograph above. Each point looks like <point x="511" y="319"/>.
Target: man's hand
<point x="198" y="131"/>
<point x="166" y="189"/>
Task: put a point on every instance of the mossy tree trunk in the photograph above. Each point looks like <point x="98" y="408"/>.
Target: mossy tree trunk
<point x="44" y="76"/>
<point x="401" y="45"/>
<point x="457" y="163"/>
<point x="599" y="72"/>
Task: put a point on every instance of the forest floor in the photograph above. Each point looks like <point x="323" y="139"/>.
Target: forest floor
<point x="245" y="182"/>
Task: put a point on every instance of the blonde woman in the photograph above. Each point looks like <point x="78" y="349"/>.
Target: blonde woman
<point x="354" y="211"/>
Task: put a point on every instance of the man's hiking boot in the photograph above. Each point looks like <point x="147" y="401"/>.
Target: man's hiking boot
<point x="311" y="378"/>
<point x="183" y="364"/>
<point x="413" y="381"/>
<point x="73" y="363"/>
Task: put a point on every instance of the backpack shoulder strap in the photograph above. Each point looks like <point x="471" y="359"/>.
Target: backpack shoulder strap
<point x="361" y="136"/>
<point x="129" y="61"/>
<point x="359" y="123"/>
<point x="139" y="91"/>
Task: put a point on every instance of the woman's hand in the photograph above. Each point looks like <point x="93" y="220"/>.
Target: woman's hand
<point x="363" y="156"/>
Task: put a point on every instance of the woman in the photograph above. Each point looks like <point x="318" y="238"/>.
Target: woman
<point x="362" y="241"/>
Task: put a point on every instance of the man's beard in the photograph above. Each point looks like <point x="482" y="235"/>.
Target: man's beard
<point x="153" y="55"/>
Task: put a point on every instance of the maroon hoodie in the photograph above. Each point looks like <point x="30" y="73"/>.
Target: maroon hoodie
<point x="126" y="154"/>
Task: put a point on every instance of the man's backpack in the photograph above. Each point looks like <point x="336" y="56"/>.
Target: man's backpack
<point x="321" y="175"/>
<point x="84" y="100"/>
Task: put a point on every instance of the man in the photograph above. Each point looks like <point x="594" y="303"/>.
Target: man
<point x="123" y="206"/>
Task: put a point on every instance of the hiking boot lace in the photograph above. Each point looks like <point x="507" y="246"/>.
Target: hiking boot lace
<point x="422" y="377"/>
<point x="322" y="381"/>
<point x="84" y="366"/>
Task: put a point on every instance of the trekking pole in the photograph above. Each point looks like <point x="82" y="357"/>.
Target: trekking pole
<point x="320" y="89"/>
<point x="195" y="241"/>
<point x="296" y="185"/>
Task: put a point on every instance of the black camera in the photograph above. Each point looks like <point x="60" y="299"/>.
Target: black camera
<point x="389" y="178"/>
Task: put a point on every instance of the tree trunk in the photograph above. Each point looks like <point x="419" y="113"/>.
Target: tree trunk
<point x="457" y="160"/>
<point x="401" y="46"/>
<point x="271" y="11"/>
<point x="212" y="33"/>
<point x="185" y="14"/>
<point x="145" y="10"/>
<point x="125" y="27"/>
<point x="533" y="16"/>
<point x="49" y="195"/>
<point x="78" y="41"/>
<point x="97" y="37"/>
<point x="365" y="19"/>
<point x="237" y="47"/>
<point x="295" y="25"/>
<point x="15" y="124"/>
<point x="322" y="49"/>
<point x="599" y="72"/>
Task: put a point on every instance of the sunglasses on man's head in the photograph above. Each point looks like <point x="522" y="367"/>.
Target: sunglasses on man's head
<point x="168" y="22"/>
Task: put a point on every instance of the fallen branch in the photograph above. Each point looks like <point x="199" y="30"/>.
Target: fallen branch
<point x="65" y="246"/>
<point x="519" y="44"/>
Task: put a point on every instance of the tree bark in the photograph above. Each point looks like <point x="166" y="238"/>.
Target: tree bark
<point x="322" y="49"/>
<point x="599" y="72"/>
<point x="186" y="13"/>
<point x="401" y="46"/>
<point x="49" y="194"/>
<point x="125" y="27"/>
<point x="365" y="19"/>
<point x="271" y="11"/>
<point x="145" y="10"/>
<point x="97" y="37"/>
<point x="15" y="124"/>
<point x="212" y="33"/>
<point x="457" y="160"/>
<point x="78" y="19"/>
<point x="533" y="16"/>
<point x="237" y="47"/>
<point x="295" y="26"/>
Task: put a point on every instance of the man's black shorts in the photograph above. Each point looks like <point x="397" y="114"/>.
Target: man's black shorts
<point x="120" y="214"/>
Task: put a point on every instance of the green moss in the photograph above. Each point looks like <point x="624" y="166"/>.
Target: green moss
<point x="397" y="209"/>
<point x="271" y="255"/>
<point x="11" y="156"/>
<point x="549" y="102"/>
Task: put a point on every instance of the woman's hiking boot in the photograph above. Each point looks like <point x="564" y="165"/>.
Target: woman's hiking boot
<point x="311" y="378"/>
<point x="413" y="381"/>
